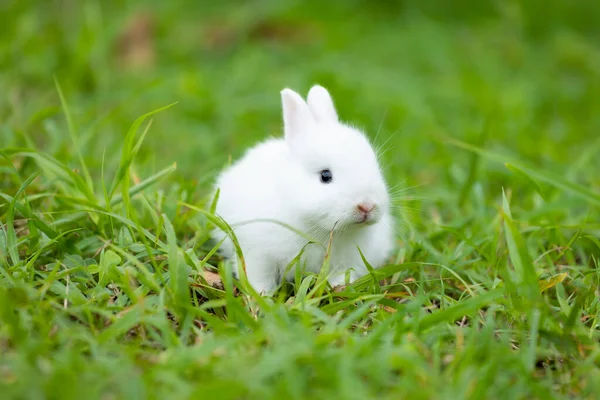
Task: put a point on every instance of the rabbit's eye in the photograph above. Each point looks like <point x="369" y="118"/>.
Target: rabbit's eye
<point x="326" y="176"/>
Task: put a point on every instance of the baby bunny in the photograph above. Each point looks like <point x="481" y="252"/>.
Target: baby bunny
<point x="323" y="179"/>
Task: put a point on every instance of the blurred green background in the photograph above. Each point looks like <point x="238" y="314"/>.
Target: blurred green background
<point x="522" y="75"/>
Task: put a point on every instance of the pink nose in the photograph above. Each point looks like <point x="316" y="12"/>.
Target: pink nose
<point x="365" y="208"/>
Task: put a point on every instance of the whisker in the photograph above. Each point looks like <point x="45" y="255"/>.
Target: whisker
<point x="399" y="197"/>
<point x="396" y="188"/>
<point x="401" y="227"/>
<point x="379" y="148"/>
<point x="408" y="211"/>
<point x="380" y="125"/>
<point x="381" y="154"/>
<point x="397" y="185"/>
<point x="403" y="223"/>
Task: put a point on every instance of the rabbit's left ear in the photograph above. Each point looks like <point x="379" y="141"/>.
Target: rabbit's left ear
<point x="321" y="105"/>
<point x="297" y="118"/>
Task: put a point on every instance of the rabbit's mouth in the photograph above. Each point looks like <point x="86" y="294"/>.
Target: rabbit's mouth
<point x="365" y="219"/>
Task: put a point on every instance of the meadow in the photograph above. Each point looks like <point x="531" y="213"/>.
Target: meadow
<point x="115" y="118"/>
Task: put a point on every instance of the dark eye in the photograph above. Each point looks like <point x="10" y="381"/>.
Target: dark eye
<point x="326" y="176"/>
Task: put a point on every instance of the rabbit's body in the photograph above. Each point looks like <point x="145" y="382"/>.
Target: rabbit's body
<point x="312" y="181"/>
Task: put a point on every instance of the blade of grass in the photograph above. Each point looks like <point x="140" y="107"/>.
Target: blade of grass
<point x="130" y="148"/>
<point x="302" y="290"/>
<point x="122" y="323"/>
<point x="50" y="165"/>
<point x="528" y="178"/>
<point x="356" y="314"/>
<point x="337" y="306"/>
<point x="529" y="353"/>
<point x="27" y="213"/>
<point x="145" y="184"/>
<point x="178" y="277"/>
<point x="550" y="178"/>
<point x="11" y="235"/>
<point x="376" y="286"/>
<point x="117" y="199"/>
<point x="473" y="167"/>
<point x="519" y="256"/>
<point x="224" y="226"/>
<point x="25" y="209"/>
<point x="323" y="274"/>
<point x="455" y="311"/>
<point x="74" y="138"/>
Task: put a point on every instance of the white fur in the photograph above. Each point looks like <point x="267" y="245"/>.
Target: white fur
<point x="279" y="179"/>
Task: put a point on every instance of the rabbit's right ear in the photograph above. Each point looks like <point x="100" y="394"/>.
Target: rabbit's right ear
<point x="320" y="103"/>
<point x="296" y="114"/>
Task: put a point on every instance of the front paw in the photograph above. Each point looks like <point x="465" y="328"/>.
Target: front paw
<point x="337" y="280"/>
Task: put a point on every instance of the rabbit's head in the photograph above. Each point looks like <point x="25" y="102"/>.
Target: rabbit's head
<point x="337" y="182"/>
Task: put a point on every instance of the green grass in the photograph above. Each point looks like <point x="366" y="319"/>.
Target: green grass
<point x="487" y="111"/>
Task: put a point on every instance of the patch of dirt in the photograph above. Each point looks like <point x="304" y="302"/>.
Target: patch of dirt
<point x="136" y="44"/>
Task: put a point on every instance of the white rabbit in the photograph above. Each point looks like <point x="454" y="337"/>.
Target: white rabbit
<point x="322" y="177"/>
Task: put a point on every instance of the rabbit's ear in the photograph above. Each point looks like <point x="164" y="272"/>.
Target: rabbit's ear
<point x="296" y="114"/>
<point x="321" y="104"/>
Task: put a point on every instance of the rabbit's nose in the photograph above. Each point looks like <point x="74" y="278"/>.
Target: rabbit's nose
<point x="365" y="208"/>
